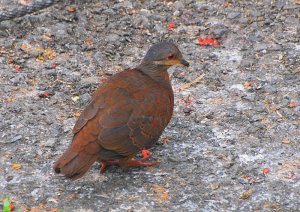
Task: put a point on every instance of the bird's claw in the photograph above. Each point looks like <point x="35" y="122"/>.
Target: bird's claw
<point x="130" y="163"/>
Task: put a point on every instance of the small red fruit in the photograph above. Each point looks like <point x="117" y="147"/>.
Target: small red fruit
<point x="171" y="25"/>
<point x="265" y="170"/>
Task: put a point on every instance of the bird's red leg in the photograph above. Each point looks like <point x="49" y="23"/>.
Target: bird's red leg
<point x="130" y="163"/>
<point x="103" y="166"/>
<point x="139" y="162"/>
<point x="108" y="162"/>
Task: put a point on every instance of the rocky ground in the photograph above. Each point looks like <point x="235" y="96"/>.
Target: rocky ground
<point x="233" y="142"/>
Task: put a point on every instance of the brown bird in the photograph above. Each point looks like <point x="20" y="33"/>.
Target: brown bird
<point x="126" y="115"/>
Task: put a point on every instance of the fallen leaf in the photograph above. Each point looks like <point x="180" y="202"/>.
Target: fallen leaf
<point x="10" y="99"/>
<point x="297" y="1"/>
<point x="171" y="26"/>
<point x="246" y="194"/>
<point x="18" y="68"/>
<point x="89" y="42"/>
<point x="24" y="46"/>
<point x="195" y="81"/>
<point x="6" y="204"/>
<point x="71" y="9"/>
<point x="47" y="37"/>
<point x="285" y="141"/>
<point x="76" y="114"/>
<point x="162" y="193"/>
<point x="215" y="186"/>
<point x="291" y="175"/>
<point x="186" y="101"/>
<point x="44" y="95"/>
<point x="75" y="98"/>
<point x="165" y="140"/>
<point x="226" y="4"/>
<point x="248" y="84"/>
<point x="46" y="54"/>
<point x="25" y="2"/>
<point x="17" y="166"/>
<point x="293" y="104"/>
<point x="208" y="42"/>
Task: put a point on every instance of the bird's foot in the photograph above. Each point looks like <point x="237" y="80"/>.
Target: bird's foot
<point x="130" y="163"/>
<point x="137" y="163"/>
<point x="108" y="162"/>
<point x="103" y="166"/>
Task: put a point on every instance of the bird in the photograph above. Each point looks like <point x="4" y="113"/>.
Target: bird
<point x="125" y="116"/>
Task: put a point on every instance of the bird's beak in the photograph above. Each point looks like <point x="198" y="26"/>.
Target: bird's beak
<point x="184" y="62"/>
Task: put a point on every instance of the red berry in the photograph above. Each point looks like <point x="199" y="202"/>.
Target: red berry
<point x="265" y="170"/>
<point x="171" y="25"/>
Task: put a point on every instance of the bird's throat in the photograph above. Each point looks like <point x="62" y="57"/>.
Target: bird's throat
<point x="158" y="73"/>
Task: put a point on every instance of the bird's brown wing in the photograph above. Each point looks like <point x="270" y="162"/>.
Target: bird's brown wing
<point x="123" y="120"/>
<point x="150" y="113"/>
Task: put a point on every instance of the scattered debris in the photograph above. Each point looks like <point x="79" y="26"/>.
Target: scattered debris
<point x="246" y="194"/>
<point x="190" y="84"/>
<point x="208" y="42"/>
<point x="16" y="166"/>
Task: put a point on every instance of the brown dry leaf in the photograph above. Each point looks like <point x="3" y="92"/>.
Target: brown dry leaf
<point x="274" y="108"/>
<point x="293" y="104"/>
<point x="25" y="2"/>
<point x="88" y="42"/>
<point x="10" y="99"/>
<point x="71" y="9"/>
<point x="195" y="81"/>
<point x="77" y="114"/>
<point x="60" y="117"/>
<point x="165" y="140"/>
<point x="246" y="194"/>
<point x="297" y="1"/>
<point x="17" y="166"/>
<point x="24" y="46"/>
<point x="46" y="54"/>
<point x="227" y="4"/>
<point x="162" y="193"/>
<point x="47" y="37"/>
<point x="248" y="84"/>
<point x="285" y="141"/>
<point x="215" y="186"/>
<point x="42" y="208"/>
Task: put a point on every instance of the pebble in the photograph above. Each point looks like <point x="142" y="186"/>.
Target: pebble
<point x="233" y="15"/>
<point x="16" y="138"/>
<point x="50" y="142"/>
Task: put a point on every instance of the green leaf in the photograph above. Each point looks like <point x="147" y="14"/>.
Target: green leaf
<point x="6" y="205"/>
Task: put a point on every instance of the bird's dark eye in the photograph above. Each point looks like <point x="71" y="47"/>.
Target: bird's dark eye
<point x="171" y="56"/>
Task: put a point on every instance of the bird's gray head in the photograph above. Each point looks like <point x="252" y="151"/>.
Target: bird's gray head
<point x="165" y="54"/>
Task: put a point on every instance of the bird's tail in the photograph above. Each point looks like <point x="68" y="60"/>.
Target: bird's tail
<point x="74" y="164"/>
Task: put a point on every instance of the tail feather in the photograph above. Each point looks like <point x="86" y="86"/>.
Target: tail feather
<point x="74" y="164"/>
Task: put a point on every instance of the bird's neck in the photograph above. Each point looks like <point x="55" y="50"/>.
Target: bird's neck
<point x="157" y="72"/>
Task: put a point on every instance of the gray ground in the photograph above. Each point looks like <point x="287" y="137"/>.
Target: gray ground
<point x="241" y="118"/>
